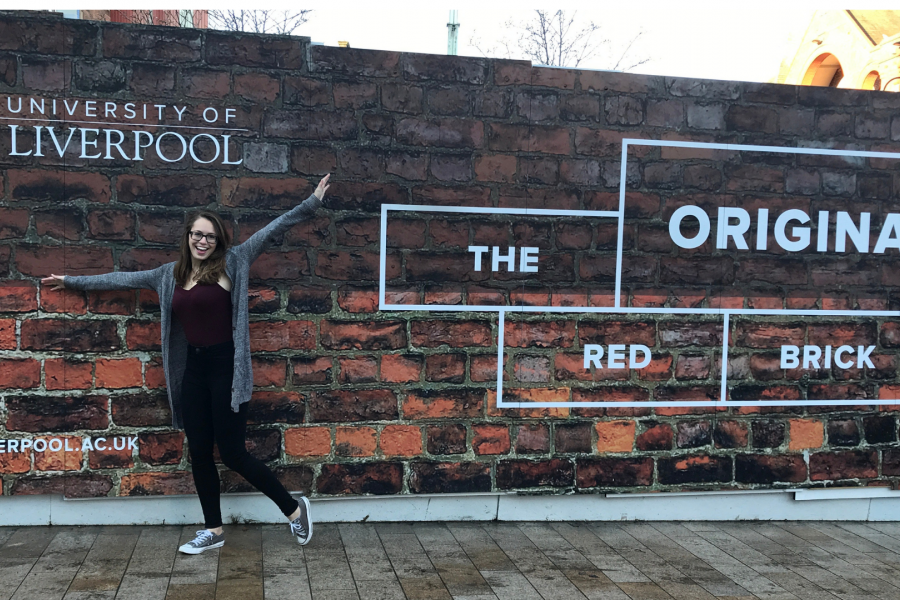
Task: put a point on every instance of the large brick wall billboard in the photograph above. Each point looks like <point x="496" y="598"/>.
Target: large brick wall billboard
<point x="686" y="284"/>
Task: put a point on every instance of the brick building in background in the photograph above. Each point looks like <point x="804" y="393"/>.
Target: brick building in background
<point x="352" y="400"/>
<point x="857" y="49"/>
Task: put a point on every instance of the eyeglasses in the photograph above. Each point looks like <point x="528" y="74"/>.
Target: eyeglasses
<point x="199" y="235"/>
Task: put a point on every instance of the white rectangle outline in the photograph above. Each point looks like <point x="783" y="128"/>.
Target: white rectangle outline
<point x="616" y="308"/>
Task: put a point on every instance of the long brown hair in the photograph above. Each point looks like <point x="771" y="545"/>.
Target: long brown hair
<point x="213" y="267"/>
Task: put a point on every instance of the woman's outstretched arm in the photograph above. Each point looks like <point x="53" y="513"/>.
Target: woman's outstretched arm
<point x="120" y="280"/>
<point x="262" y="239"/>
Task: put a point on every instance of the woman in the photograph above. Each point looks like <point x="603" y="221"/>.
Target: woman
<point x="206" y="355"/>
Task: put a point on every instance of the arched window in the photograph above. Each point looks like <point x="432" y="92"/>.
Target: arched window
<point x="825" y="71"/>
<point x="872" y="81"/>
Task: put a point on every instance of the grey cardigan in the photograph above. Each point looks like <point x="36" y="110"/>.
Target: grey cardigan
<point x="174" y="343"/>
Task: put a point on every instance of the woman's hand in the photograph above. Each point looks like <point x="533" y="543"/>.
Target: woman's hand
<point x="56" y="282"/>
<point x="322" y="187"/>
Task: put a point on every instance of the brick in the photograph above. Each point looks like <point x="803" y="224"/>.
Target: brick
<point x="110" y="457"/>
<point x="354" y="441"/>
<point x="311" y="370"/>
<point x="518" y="474"/>
<point x="46" y="75"/>
<point x="143" y="335"/>
<point x="355" y="95"/>
<point x="450" y="101"/>
<point x="307" y="441"/>
<point x="260" y="87"/>
<point x="400" y="368"/>
<point x="532" y="439"/>
<point x="378" y="335"/>
<point x="615" y="436"/>
<point x="14" y="223"/>
<point x="118" y="302"/>
<point x="277" y="407"/>
<point x="353" y="405"/>
<point x="843" y="432"/>
<point x="310" y="160"/>
<point x="268" y="371"/>
<point x="346" y="61"/>
<point x="445" y="368"/>
<point x="168" y="190"/>
<point x="402" y="98"/>
<point x="449" y="477"/>
<point x="407" y="165"/>
<point x="534" y="138"/>
<point x="361" y="369"/>
<point x="656" y="436"/>
<point x="65" y="374"/>
<point x="58" y="458"/>
<point x="444" y="132"/>
<point x="7" y="334"/>
<point x="56" y="413"/>
<point x="446" y="403"/>
<point x="69" y="336"/>
<point x="309" y="300"/>
<point x="490" y="439"/>
<point x="694" y="469"/>
<point x="15" y="462"/>
<point x="806" y="433"/>
<point x="354" y="266"/>
<point x="70" y="486"/>
<point x="251" y="50"/>
<point x="118" y="373"/>
<point x="843" y="465"/>
<point x="730" y="434"/>
<point x="880" y="430"/>
<point x="761" y="468"/>
<point x="18" y="296"/>
<point x="161" y="448"/>
<point x="614" y="472"/>
<point x="761" y="335"/>
<point x="271" y="336"/>
<point x="376" y="478"/>
<point x="573" y="437"/>
<point x="20" y="373"/>
<point x="446" y="439"/>
<point x="140" y="410"/>
<point x="401" y="440"/>
<point x="767" y="434"/>
<point x="157" y="484"/>
<point x="456" y="334"/>
<point x="617" y="332"/>
<point x="358" y="300"/>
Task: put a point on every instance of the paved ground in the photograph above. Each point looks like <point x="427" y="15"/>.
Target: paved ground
<point x="518" y="561"/>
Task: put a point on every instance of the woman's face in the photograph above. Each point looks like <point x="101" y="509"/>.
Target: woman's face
<point x="201" y="249"/>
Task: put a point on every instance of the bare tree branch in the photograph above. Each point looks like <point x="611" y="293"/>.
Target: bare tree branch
<point x="283" y="22"/>
<point x="557" y="39"/>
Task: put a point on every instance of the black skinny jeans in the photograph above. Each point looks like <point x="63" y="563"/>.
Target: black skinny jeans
<point x="208" y="419"/>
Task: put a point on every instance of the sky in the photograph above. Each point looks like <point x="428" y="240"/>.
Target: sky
<point x="708" y="41"/>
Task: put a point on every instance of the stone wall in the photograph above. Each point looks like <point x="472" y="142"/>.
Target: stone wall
<point x="353" y="400"/>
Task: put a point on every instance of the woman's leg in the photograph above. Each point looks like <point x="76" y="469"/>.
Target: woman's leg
<point x="198" y="427"/>
<point x="230" y="433"/>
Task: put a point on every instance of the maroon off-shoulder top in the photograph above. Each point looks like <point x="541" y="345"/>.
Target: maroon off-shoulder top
<point x="204" y="312"/>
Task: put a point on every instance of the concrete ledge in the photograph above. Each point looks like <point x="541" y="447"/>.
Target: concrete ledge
<point x="862" y="504"/>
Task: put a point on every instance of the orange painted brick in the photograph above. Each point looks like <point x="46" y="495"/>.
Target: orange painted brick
<point x="354" y="441"/>
<point x="401" y="440"/>
<point x="358" y="301"/>
<point x="307" y="441"/>
<point x="400" y="368"/>
<point x="63" y="374"/>
<point x="529" y="395"/>
<point x="118" y="373"/>
<point x="615" y="436"/>
<point x="62" y="453"/>
<point x="806" y="433"/>
<point x="20" y="373"/>
<point x="15" y="462"/>
<point x="490" y="439"/>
